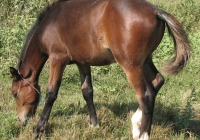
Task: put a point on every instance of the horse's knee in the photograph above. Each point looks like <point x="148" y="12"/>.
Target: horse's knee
<point x="51" y="96"/>
<point x="87" y="90"/>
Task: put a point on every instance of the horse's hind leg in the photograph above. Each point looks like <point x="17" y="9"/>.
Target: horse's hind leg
<point x="146" y="94"/>
<point x="153" y="81"/>
<point x="153" y="75"/>
<point x="87" y="91"/>
<point x="142" y="119"/>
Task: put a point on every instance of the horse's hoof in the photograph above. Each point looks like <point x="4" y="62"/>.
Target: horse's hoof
<point x="36" y="136"/>
<point x="136" y="138"/>
<point x="94" y="126"/>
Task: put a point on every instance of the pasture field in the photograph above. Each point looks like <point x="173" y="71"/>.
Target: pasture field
<point x="177" y="108"/>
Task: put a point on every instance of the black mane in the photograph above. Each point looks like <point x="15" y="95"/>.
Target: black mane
<point x="31" y="32"/>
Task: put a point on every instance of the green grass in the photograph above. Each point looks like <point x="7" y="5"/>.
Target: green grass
<point x="177" y="109"/>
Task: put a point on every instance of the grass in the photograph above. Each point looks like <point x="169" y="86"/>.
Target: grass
<point x="177" y="109"/>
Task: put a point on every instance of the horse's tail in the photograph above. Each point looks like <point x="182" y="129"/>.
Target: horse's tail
<point x="182" y="46"/>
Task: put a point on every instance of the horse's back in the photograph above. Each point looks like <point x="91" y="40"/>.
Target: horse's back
<point x="90" y="31"/>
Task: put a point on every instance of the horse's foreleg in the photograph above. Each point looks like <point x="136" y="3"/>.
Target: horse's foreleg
<point x="87" y="91"/>
<point x="56" y="70"/>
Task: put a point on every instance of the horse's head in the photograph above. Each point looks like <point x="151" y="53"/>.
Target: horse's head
<point x="26" y="95"/>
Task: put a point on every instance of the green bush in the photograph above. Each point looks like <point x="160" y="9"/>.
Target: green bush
<point x="16" y="18"/>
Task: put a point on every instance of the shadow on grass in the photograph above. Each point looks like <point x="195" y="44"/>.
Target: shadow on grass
<point x="122" y="109"/>
<point x="118" y="108"/>
<point x="180" y="120"/>
<point x="70" y="110"/>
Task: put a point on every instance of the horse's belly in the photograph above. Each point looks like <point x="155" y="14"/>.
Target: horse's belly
<point x="99" y="57"/>
<point x="105" y="57"/>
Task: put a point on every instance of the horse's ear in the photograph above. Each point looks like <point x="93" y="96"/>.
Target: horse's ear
<point x="14" y="74"/>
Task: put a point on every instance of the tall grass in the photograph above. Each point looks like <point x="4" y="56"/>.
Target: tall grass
<point x="177" y="109"/>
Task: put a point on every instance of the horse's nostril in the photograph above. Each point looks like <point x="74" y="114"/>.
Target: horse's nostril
<point x="24" y="122"/>
<point x="23" y="119"/>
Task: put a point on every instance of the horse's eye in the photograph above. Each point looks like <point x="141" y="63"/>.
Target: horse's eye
<point x="15" y="95"/>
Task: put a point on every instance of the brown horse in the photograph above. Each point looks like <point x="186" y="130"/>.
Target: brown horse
<point x="95" y="33"/>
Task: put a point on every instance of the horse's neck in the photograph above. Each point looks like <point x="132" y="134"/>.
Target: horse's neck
<point x="32" y="62"/>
